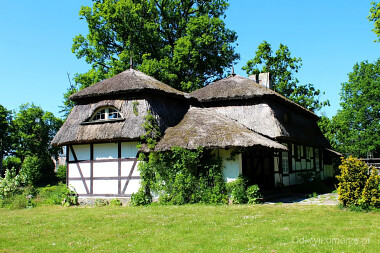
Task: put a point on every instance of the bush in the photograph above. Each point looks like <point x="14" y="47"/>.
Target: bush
<point x="253" y="194"/>
<point x="9" y="185"/>
<point x="51" y="195"/>
<point x="18" y="202"/>
<point x="358" y="184"/>
<point x="237" y="190"/>
<point x="115" y="202"/>
<point x="61" y="173"/>
<point x="101" y="202"/>
<point x="38" y="170"/>
<point x="23" y="198"/>
<point x="12" y="162"/>
<point x="371" y="192"/>
<point x="181" y="176"/>
<point x="69" y="197"/>
<point x="141" y="198"/>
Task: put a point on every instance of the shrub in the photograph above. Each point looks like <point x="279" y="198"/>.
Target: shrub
<point x="181" y="176"/>
<point x="31" y="167"/>
<point x="12" y="162"/>
<point x="69" y="197"/>
<point x="115" y="202"/>
<point x="51" y="195"/>
<point x="18" y="202"/>
<point x="141" y="197"/>
<point x="237" y="190"/>
<point x="38" y="170"/>
<point x="61" y="173"/>
<point x="253" y="194"/>
<point x="9" y="185"/>
<point x="358" y="187"/>
<point x="101" y="202"/>
<point x="371" y="192"/>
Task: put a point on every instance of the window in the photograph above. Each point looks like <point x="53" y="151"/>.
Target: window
<point x="106" y="114"/>
<point x="298" y="152"/>
<point x="285" y="161"/>
<point x="317" y="159"/>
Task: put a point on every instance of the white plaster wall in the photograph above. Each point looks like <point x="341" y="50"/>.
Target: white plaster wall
<point x="298" y="166"/>
<point x="128" y="149"/>
<point x="285" y="180"/>
<point x="276" y="163"/>
<point x="328" y="170"/>
<point x="105" y="151"/>
<point x="133" y="186"/>
<point x="74" y="171"/>
<point x="293" y="179"/>
<point x="231" y="168"/>
<point x="105" y="187"/>
<point x="82" y="152"/>
<point x="78" y="186"/>
<point x="126" y="167"/>
<point x="105" y="169"/>
<point x="277" y="179"/>
<point x="303" y="163"/>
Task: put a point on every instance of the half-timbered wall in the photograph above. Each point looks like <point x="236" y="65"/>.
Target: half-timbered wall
<point x="299" y="160"/>
<point x="103" y="169"/>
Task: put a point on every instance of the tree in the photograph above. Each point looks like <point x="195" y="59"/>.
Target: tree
<point x="282" y="68"/>
<point x="5" y="126"/>
<point x="183" y="43"/>
<point x="374" y="16"/>
<point x="34" y="129"/>
<point x="357" y="124"/>
<point x="32" y="133"/>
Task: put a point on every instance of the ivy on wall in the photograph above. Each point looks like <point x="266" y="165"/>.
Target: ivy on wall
<point x="178" y="176"/>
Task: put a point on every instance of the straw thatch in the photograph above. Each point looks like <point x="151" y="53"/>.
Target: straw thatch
<point x="127" y="82"/>
<point x="78" y="129"/>
<point x="209" y="129"/>
<point x="74" y="131"/>
<point x="238" y="88"/>
<point x="268" y="119"/>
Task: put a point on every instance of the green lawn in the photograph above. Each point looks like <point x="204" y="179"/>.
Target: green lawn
<point x="190" y="228"/>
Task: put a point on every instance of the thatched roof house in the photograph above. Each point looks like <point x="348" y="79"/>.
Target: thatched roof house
<point x="273" y="139"/>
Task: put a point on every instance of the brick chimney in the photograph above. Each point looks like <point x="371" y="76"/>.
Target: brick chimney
<point x="263" y="79"/>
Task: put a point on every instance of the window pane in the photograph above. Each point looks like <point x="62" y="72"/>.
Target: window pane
<point x="105" y="114"/>
<point x="285" y="162"/>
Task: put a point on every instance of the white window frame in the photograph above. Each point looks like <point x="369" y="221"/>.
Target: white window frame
<point x="106" y="115"/>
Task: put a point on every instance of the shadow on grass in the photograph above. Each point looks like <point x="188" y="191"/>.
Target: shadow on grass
<point x="297" y="193"/>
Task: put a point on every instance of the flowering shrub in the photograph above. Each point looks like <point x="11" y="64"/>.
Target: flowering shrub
<point x="9" y="185"/>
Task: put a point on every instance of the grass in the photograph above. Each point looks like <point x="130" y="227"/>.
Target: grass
<point x="189" y="228"/>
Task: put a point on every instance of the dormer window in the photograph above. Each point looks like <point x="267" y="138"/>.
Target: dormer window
<point x="105" y="114"/>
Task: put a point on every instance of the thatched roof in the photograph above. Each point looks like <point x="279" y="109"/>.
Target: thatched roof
<point x="127" y="82"/>
<point x="268" y="119"/>
<point x="236" y="88"/>
<point x="205" y="127"/>
<point x="73" y="131"/>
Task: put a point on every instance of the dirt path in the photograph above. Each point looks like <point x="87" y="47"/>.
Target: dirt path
<point x="322" y="199"/>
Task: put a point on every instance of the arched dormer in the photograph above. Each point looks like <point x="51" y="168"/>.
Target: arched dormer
<point x="105" y="114"/>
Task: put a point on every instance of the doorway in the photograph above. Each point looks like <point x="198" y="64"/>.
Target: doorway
<point x="258" y="168"/>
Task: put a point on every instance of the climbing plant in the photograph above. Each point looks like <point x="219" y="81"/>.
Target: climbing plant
<point x="178" y="176"/>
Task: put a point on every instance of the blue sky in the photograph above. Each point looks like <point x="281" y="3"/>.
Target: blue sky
<point x="329" y="36"/>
